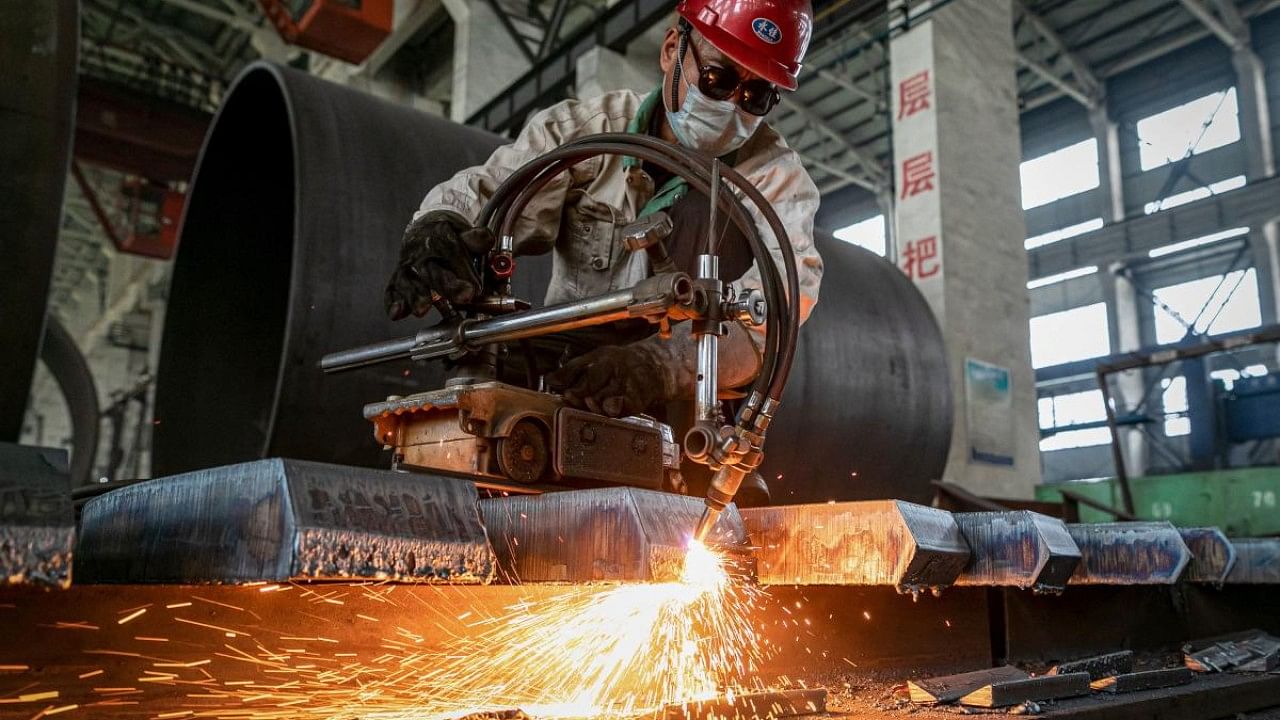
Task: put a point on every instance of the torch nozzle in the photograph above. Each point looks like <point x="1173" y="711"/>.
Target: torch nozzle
<point x="708" y="520"/>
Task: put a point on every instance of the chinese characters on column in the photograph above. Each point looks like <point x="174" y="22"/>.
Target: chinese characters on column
<point x="920" y="258"/>
<point x="913" y="95"/>
<point x="920" y="251"/>
<point x="917" y="174"/>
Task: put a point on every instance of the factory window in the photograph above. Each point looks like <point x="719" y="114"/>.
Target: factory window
<point x="1192" y="128"/>
<point x="1215" y="306"/>
<point x="1201" y="241"/>
<point x="1059" y="174"/>
<point x="1061" y="411"/>
<point x="1069" y="231"/>
<point x="1076" y="334"/>
<point x="1174" y="399"/>
<point x="867" y="233"/>
<point x="1199" y="193"/>
<point x="1062" y="277"/>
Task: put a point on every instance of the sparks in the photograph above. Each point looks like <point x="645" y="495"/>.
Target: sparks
<point x="589" y="652"/>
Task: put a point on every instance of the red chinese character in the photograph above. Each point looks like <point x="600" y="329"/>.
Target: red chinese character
<point x="917" y="174"/>
<point x="913" y="94"/>
<point x="916" y="257"/>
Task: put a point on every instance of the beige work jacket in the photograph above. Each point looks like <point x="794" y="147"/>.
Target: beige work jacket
<point x="578" y="215"/>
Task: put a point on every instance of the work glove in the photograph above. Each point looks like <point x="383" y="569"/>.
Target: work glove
<point x="613" y="380"/>
<point x="627" y="380"/>
<point x="436" y="255"/>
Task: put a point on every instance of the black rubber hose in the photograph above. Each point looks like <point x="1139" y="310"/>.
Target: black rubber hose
<point x="792" y="328"/>
<point x="542" y="169"/>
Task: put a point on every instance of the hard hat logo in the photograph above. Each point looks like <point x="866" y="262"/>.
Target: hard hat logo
<point x="766" y="30"/>
<point x="766" y="37"/>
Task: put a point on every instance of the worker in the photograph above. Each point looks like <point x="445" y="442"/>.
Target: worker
<point x="724" y="64"/>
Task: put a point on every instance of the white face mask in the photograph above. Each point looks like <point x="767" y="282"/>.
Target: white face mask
<point x="716" y="127"/>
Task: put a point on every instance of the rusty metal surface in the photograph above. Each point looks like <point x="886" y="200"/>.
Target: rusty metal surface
<point x="1145" y="680"/>
<point x="950" y="688"/>
<point x="595" y="447"/>
<point x="277" y="520"/>
<point x="1019" y="548"/>
<point x="601" y="534"/>
<point x="875" y="542"/>
<point x="1257" y="561"/>
<point x="1045" y="687"/>
<point x="1098" y="666"/>
<point x="1212" y="555"/>
<point x="37" y="522"/>
<point x="1128" y="553"/>
<point x="752" y="706"/>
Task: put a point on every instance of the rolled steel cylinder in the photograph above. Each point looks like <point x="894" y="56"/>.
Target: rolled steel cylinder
<point x="293" y="224"/>
<point x="866" y="413"/>
<point x="39" y="55"/>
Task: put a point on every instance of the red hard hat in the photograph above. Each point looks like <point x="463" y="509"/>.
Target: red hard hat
<point x="767" y="37"/>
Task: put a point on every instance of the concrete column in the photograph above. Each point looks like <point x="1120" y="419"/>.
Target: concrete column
<point x="960" y="231"/>
<point x="600" y="70"/>
<point x="1123" y="311"/>
<point x="1110" y="177"/>
<point x="486" y="59"/>
<point x="1124" y="314"/>
<point x="1255" y="131"/>
<point x="887" y="206"/>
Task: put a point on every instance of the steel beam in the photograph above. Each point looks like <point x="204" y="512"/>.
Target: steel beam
<point x="1234" y="38"/>
<point x="1212" y="555"/>
<point x="1251" y="205"/>
<point x="950" y="688"/>
<point x="1098" y="666"/>
<point x="1129" y="553"/>
<point x="602" y="534"/>
<point x="1013" y="692"/>
<point x="877" y="542"/>
<point x="1048" y="75"/>
<point x="1092" y="86"/>
<point x="1257" y="562"/>
<point x="277" y="520"/>
<point x="546" y="81"/>
<point x="1145" y="680"/>
<point x="37" y="524"/>
<point x="1020" y="548"/>
<point x="817" y="122"/>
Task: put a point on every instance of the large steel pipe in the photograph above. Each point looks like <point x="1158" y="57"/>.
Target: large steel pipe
<point x="867" y="410"/>
<point x="293" y="223"/>
<point x="37" y="117"/>
<point x="301" y="193"/>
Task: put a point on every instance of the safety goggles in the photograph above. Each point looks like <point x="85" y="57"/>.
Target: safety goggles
<point x="756" y="96"/>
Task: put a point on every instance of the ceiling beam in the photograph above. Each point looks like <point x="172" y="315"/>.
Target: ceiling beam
<point x="1230" y="28"/>
<point x="235" y="20"/>
<point x="874" y="174"/>
<point x="1067" y="87"/>
<point x="851" y="87"/>
<point x="1087" y="88"/>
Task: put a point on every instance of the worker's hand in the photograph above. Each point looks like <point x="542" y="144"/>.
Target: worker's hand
<point x="611" y="380"/>
<point x="436" y="256"/>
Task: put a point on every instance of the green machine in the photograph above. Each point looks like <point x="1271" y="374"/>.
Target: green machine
<point x="1244" y="502"/>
